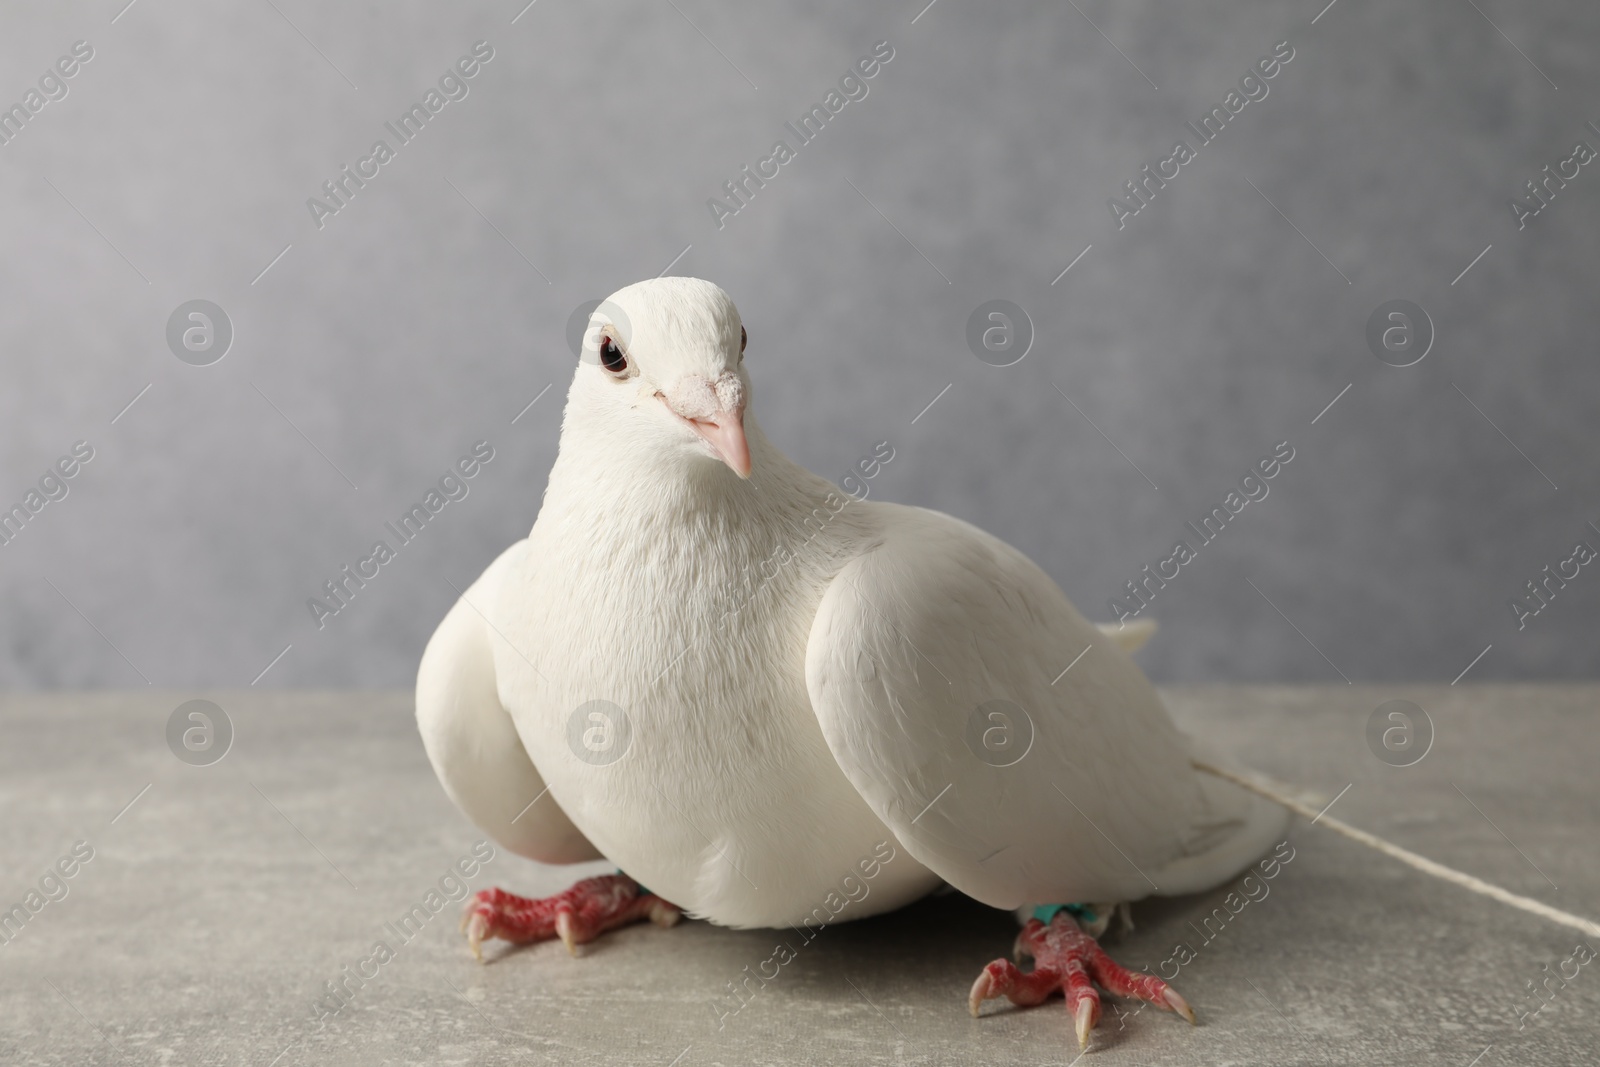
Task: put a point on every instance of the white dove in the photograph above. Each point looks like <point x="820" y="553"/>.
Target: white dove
<point x="776" y="705"/>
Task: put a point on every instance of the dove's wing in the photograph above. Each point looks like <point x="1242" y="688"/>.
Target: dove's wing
<point x="1011" y="746"/>
<point x="471" y="740"/>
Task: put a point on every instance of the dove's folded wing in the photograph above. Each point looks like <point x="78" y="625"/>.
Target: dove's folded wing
<point x="1011" y="746"/>
<point x="473" y="743"/>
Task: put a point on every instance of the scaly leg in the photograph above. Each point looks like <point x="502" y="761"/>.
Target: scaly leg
<point x="1066" y="958"/>
<point x="577" y="916"/>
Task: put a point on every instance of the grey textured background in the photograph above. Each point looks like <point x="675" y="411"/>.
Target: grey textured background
<point x="179" y="165"/>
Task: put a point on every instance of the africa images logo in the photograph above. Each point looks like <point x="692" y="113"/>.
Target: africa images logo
<point x="852" y="87"/>
<point x="1252" y="87"/>
<point x="453" y="85"/>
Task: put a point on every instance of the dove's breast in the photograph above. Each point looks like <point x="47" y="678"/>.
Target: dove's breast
<point x="657" y="679"/>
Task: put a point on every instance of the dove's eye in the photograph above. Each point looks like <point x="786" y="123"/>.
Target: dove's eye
<point x="612" y="358"/>
<point x="744" y="339"/>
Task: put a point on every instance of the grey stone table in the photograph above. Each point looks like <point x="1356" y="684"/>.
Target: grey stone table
<point x="220" y="902"/>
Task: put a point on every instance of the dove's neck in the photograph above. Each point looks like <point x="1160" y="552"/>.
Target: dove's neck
<point x="690" y="507"/>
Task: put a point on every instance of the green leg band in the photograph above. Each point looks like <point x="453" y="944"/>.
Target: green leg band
<point x="1045" y="912"/>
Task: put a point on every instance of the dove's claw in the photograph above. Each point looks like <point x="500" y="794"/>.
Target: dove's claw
<point x="1084" y="1018"/>
<point x="576" y="916"/>
<point x="1179" y="1005"/>
<point x="1068" y="959"/>
<point x="476" y="927"/>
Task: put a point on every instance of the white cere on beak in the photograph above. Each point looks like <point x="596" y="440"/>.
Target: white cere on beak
<point x="695" y="397"/>
<point x="715" y="412"/>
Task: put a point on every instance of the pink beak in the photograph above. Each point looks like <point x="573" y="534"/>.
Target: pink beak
<point x="724" y="432"/>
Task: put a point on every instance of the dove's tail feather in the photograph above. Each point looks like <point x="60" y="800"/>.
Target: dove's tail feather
<point x="1228" y="829"/>
<point x="1131" y="636"/>
<point x="1284" y="795"/>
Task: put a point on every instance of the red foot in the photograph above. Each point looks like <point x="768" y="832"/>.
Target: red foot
<point x="577" y="916"/>
<point x="1066" y="958"/>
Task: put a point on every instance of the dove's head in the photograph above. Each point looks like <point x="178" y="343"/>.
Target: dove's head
<point x="663" y="363"/>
